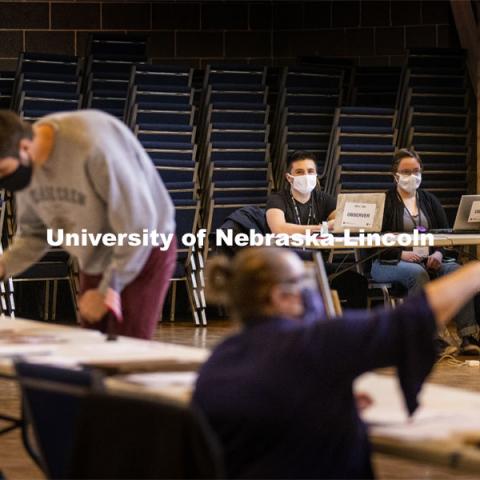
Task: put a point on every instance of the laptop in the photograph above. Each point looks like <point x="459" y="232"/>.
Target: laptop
<point x="467" y="219"/>
<point x="359" y="211"/>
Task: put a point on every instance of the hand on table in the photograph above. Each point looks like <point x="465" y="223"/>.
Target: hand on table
<point x="92" y="305"/>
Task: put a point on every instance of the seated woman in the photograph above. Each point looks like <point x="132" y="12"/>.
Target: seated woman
<point x="303" y="206"/>
<point x="407" y="207"/>
<point x="279" y="393"/>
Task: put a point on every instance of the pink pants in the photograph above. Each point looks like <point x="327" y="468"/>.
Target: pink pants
<point x="143" y="298"/>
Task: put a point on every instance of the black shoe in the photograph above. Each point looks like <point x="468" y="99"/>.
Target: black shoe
<point x="470" y="346"/>
<point x="444" y="348"/>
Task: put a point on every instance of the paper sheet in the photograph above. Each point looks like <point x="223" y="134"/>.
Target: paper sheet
<point x="443" y="413"/>
<point x="160" y="380"/>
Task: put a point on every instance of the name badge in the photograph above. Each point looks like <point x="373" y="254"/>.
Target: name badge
<point x="358" y="215"/>
<point x="474" y="213"/>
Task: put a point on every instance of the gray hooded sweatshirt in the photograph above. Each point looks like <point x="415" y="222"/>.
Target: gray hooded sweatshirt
<point x="99" y="179"/>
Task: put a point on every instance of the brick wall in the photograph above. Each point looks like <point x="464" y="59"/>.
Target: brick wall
<point x="376" y="32"/>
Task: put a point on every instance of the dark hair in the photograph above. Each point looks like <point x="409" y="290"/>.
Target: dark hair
<point x="299" y="155"/>
<point x="405" y="153"/>
<point x="12" y="130"/>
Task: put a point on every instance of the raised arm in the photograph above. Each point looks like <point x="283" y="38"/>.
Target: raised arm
<point x="403" y="337"/>
<point x="448" y="294"/>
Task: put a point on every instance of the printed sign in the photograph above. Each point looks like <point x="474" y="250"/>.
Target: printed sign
<point x="359" y="215"/>
<point x="474" y="212"/>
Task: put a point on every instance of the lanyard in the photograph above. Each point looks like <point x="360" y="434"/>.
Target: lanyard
<point x="415" y="225"/>
<point x="297" y="213"/>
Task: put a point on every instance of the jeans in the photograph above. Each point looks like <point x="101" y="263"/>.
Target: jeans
<point x="413" y="276"/>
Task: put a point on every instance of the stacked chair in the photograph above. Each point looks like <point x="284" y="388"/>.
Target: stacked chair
<point x="161" y="113"/>
<point x="345" y="65"/>
<point x="359" y="160"/>
<point x="47" y="84"/>
<point x="304" y="114"/>
<point x="235" y="168"/>
<point x="7" y="80"/>
<point x="209" y="136"/>
<point x="375" y="86"/>
<point x="434" y="119"/>
<point x="109" y="60"/>
<point x="7" y="301"/>
<point x="360" y="151"/>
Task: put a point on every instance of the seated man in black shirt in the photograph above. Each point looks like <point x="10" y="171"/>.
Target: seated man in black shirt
<point x="303" y="206"/>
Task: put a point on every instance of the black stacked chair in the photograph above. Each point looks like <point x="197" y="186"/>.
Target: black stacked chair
<point x="7" y="80"/>
<point x="435" y="120"/>
<point x="109" y="59"/>
<point x="361" y="148"/>
<point x="47" y="84"/>
<point x="161" y="113"/>
<point x="359" y="160"/>
<point x="235" y="168"/>
<point x="305" y="110"/>
<point x="375" y="86"/>
<point x="345" y="64"/>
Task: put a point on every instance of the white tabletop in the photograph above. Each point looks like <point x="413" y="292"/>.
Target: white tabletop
<point x="394" y="240"/>
<point x="440" y="432"/>
<point x="69" y="346"/>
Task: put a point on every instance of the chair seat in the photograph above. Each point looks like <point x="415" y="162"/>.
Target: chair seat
<point x="45" y="271"/>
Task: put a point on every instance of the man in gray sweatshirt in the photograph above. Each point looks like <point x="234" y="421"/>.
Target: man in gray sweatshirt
<point x="85" y="172"/>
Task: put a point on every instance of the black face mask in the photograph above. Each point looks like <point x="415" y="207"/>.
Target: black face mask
<point x="19" y="179"/>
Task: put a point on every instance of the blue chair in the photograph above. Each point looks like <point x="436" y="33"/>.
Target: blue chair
<point x="51" y="406"/>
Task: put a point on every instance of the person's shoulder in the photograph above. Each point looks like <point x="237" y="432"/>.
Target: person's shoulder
<point x="321" y="195"/>
<point x="278" y="194"/>
<point x="428" y="195"/>
<point x="277" y="199"/>
<point x="430" y="198"/>
<point x="222" y="354"/>
<point x="391" y="196"/>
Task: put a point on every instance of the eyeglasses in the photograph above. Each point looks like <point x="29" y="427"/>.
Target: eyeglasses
<point x="297" y="279"/>
<point x="415" y="171"/>
<point x="295" y="284"/>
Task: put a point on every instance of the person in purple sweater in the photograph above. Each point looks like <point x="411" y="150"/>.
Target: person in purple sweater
<point x="279" y="393"/>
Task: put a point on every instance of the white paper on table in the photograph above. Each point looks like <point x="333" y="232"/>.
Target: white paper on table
<point x="26" y="349"/>
<point x="163" y="379"/>
<point x="474" y="215"/>
<point x="356" y="214"/>
<point x="443" y="411"/>
<point x="121" y="351"/>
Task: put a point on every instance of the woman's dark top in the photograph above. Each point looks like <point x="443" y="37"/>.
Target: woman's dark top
<point x="279" y="394"/>
<point x="393" y="217"/>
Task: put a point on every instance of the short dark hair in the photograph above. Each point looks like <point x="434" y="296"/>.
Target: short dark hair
<point x="12" y="130"/>
<point x="300" y="155"/>
<point x="405" y="153"/>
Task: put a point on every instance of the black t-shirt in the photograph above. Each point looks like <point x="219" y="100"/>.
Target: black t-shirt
<point x="321" y="205"/>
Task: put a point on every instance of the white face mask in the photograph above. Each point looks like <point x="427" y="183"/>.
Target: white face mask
<point x="409" y="183"/>
<point x="304" y="184"/>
